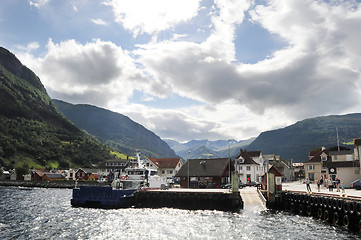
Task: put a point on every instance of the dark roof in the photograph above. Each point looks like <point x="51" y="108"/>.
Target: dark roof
<point x="271" y="169"/>
<point x="165" y="162"/>
<point x="53" y="175"/>
<point x="317" y="157"/>
<point x="254" y="153"/>
<point x="247" y="158"/>
<point x="340" y="164"/>
<point x="117" y="160"/>
<point x="344" y="152"/>
<point x="205" y="167"/>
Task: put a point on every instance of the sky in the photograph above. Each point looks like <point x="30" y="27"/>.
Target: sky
<point x="194" y="69"/>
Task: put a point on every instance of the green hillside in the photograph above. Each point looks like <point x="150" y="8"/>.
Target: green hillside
<point x="116" y="130"/>
<point x="297" y="140"/>
<point x="33" y="132"/>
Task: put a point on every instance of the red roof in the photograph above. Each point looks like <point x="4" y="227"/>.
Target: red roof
<point x="165" y="162"/>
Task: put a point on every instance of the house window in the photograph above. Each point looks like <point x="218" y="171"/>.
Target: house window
<point x="170" y="171"/>
<point x="323" y="158"/>
<point x="240" y="168"/>
<point x="311" y="167"/>
<point x="248" y="168"/>
<point x="163" y="172"/>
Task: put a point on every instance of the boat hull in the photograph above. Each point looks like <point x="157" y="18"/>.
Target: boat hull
<point x="102" y="197"/>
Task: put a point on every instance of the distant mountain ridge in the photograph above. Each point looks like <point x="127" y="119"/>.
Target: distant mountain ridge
<point x="198" y="149"/>
<point x="116" y="130"/>
<point x="295" y="141"/>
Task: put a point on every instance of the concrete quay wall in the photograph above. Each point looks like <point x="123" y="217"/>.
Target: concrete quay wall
<point x="189" y="200"/>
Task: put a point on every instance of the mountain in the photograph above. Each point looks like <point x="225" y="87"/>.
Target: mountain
<point x="296" y="141"/>
<point x="33" y="132"/>
<point x="116" y="130"/>
<point x="207" y="149"/>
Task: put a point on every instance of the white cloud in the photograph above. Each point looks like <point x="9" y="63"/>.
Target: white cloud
<point x="171" y="123"/>
<point x="144" y="16"/>
<point x="99" y="21"/>
<point x="311" y="72"/>
<point x="28" y="48"/>
<point x="39" y="3"/>
<point x="317" y="73"/>
<point x="98" y="72"/>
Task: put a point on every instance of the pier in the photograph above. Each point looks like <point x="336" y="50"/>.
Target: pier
<point x="193" y="199"/>
<point x="336" y="208"/>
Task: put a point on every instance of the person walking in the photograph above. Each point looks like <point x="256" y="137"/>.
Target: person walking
<point x="318" y="183"/>
<point x="330" y="185"/>
<point x="343" y="187"/>
<point x="308" y="185"/>
<point x="337" y="184"/>
<point x="321" y="181"/>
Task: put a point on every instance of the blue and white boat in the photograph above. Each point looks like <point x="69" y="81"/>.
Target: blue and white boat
<point x="102" y="197"/>
<point x="121" y="193"/>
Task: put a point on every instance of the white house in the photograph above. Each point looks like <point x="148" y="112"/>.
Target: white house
<point x="249" y="165"/>
<point x="166" y="167"/>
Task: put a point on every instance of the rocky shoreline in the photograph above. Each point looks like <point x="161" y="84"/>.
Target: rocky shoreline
<point x="52" y="184"/>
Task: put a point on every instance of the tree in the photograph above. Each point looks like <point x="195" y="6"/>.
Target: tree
<point x="22" y="170"/>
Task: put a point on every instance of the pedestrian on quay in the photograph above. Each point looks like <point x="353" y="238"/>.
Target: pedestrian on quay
<point x="330" y="185"/>
<point x="343" y="187"/>
<point x="337" y="184"/>
<point x="321" y="181"/>
<point x="318" y="184"/>
<point x="308" y="185"/>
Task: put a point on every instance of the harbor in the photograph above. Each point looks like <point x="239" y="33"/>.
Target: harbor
<point x="40" y="213"/>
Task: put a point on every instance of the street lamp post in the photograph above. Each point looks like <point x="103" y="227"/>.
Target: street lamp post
<point x="229" y="157"/>
<point x="188" y="179"/>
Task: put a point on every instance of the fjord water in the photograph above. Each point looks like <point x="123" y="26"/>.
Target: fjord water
<point x="47" y="214"/>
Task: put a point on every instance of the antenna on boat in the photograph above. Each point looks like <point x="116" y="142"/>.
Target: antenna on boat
<point x="140" y="165"/>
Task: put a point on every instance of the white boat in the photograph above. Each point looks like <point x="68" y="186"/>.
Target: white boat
<point x="141" y="175"/>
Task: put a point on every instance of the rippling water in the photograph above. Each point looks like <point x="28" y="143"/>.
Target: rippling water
<point x="47" y="214"/>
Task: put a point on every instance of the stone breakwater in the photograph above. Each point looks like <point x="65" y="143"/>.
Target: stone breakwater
<point x="52" y="184"/>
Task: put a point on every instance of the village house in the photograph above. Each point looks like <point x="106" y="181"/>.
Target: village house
<point x="37" y="175"/>
<point x="343" y="166"/>
<point x="314" y="165"/>
<point x="249" y="166"/>
<point x="93" y="177"/>
<point x="285" y="167"/>
<point x="71" y="174"/>
<point x="277" y="178"/>
<point x="117" y="165"/>
<point x="166" y="167"/>
<point x="333" y="164"/>
<point x="52" y="177"/>
<point x="80" y="174"/>
<point x="298" y="171"/>
<point x="205" y="173"/>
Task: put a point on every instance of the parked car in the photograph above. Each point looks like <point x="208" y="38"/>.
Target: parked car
<point x="356" y="184"/>
<point x="242" y="185"/>
<point x="227" y="185"/>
